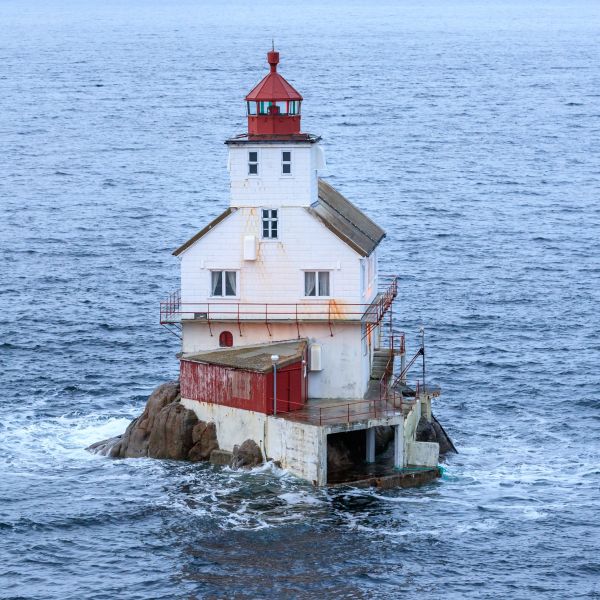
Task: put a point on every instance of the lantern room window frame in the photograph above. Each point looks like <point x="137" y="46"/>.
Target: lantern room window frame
<point x="285" y="108"/>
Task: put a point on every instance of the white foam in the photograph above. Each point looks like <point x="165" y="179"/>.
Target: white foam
<point x="301" y="498"/>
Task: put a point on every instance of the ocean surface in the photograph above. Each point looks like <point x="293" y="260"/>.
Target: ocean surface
<point x="468" y="130"/>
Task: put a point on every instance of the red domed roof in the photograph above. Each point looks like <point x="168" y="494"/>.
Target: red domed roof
<point x="273" y="86"/>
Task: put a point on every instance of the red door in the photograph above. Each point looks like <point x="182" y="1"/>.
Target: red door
<point x="283" y="391"/>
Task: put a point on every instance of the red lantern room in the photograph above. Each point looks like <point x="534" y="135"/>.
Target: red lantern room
<point x="273" y="105"/>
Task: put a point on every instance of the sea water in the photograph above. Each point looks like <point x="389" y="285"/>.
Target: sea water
<point x="468" y="130"/>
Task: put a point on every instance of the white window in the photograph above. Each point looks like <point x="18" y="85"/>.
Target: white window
<point x="270" y="223"/>
<point x="223" y="283"/>
<point x="316" y="283"/>
<point x="253" y="163"/>
<point x="363" y="275"/>
<point x="286" y="162"/>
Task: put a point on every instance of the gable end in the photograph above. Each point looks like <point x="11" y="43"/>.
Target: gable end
<point x="204" y="231"/>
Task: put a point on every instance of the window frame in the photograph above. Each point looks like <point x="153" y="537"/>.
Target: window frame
<point x="253" y="163"/>
<point x="316" y="272"/>
<point x="286" y="162"/>
<point x="224" y="283"/>
<point x="270" y="219"/>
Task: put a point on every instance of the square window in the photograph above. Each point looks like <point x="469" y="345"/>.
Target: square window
<point x="252" y="163"/>
<point x="286" y="162"/>
<point x="270" y="221"/>
<point x="316" y="283"/>
<point x="223" y="283"/>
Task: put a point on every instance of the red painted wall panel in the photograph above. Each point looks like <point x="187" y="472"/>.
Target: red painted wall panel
<point x="244" y="389"/>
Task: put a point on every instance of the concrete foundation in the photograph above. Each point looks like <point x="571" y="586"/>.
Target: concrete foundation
<point x="301" y="447"/>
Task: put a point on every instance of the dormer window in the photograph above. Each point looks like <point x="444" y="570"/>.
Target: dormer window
<point x="286" y="163"/>
<point x="252" y="163"/>
<point x="269" y="223"/>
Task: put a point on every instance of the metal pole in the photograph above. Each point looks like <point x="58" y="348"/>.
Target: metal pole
<point x="274" y="359"/>
<point x="274" y="389"/>
<point x="422" y="330"/>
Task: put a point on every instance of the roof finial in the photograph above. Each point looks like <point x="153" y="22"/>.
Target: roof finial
<point x="273" y="44"/>
<point x="273" y="58"/>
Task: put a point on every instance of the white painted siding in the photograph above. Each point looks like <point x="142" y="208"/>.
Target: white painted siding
<point x="277" y="273"/>
<point x="345" y="371"/>
<point x="270" y="187"/>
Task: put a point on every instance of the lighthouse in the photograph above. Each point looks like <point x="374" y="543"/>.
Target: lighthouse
<point x="285" y="321"/>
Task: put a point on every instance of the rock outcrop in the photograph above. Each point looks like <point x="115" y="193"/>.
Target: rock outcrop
<point x="166" y="429"/>
<point x="248" y="455"/>
<point x="384" y="435"/>
<point x="434" y="432"/>
<point x="204" y="438"/>
<point x="171" y="435"/>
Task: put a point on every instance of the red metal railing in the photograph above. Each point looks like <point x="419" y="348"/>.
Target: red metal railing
<point x="344" y="412"/>
<point x="173" y="310"/>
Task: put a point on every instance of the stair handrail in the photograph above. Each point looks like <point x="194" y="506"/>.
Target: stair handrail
<point x="404" y="371"/>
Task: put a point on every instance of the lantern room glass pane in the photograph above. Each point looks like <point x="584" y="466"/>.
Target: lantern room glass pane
<point x="294" y="107"/>
<point x="282" y="106"/>
<point x="251" y="108"/>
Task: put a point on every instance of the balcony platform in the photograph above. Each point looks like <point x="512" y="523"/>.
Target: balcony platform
<point x="339" y="414"/>
<point x="175" y="311"/>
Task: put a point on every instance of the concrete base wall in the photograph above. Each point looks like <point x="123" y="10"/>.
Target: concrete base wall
<point x="300" y="448"/>
<point x="423" y="454"/>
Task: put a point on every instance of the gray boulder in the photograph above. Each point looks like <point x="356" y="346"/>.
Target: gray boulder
<point x="247" y="455"/>
<point x="204" y="438"/>
<point x="443" y="439"/>
<point x="339" y="457"/>
<point x="425" y="431"/>
<point x="384" y="434"/>
<point x="432" y="431"/>
<point x="134" y="442"/>
<point x="171" y="434"/>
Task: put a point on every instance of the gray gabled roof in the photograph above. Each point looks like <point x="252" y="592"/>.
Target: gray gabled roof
<point x="339" y="215"/>
<point x="345" y="220"/>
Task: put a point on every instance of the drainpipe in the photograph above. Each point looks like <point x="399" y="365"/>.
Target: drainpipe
<point x="274" y="359"/>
